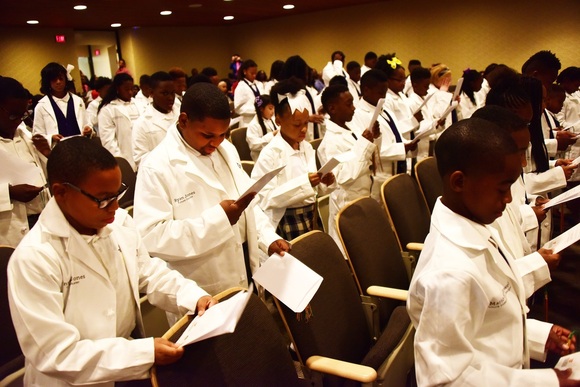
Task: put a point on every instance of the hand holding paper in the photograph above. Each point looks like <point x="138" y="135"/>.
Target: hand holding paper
<point x="261" y="183"/>
<point x="564" y="240"/>
<point x="563" y="197"/>
<point x="378" y="111"/>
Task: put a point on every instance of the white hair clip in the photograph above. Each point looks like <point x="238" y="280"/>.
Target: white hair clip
<point x="69" y="68"/>
<point x="297" y="101"/>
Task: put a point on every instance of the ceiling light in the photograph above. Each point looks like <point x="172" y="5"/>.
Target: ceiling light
<point x="165" y="13"/>
<point x="288" y="6"/>
<point x="194" y="5"/>
<point x="116" y="25"/>
<point x="32" y="22"/>
<point x="228" y="18"/>
<point x="80" y="7"/>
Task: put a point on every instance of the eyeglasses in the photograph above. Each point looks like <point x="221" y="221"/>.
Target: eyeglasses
<point x="102" y="203"/>
<point x="14" y="117"/>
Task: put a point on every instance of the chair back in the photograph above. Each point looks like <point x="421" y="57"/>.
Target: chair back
<point x="129" y="177"/>
<point x="373" y="251"/>
<point x="429" y="181"/>
<point x="337" y="326"/>
<point x="11" y="357"/>
<point x="248" y="166"/>
<point x="238" y="138"/>
<point x="406" y="209"/>
<point x="254" y="355"/>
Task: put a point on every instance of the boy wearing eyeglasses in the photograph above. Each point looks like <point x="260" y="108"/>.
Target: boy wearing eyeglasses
<point x="74" y="281"/>
<point x="23" y="190"/>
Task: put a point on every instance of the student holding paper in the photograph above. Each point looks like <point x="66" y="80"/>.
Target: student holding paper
<point x="442" y="98"/>
<point x="289" y="199"/>
<point x="185" y="199"/>
<point x="469" y="102"/>
<point x="20" y="202"/>
<point x="393" y="149"/>
<point x="353" y="177"/>
<point x="419" y="100"/>
<point x="74" y="280"/>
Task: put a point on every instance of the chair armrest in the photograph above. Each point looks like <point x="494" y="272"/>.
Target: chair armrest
<point x="383" y="291"/>
<point x="415" y="246"/>
<point x="344" y="369"/>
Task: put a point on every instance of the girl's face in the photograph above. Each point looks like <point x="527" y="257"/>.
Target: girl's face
<point x="267" y="111"/>
<point x="476" y="84"/>
<point x="250" y="73"/>
<point x="58" y="85"/>
<point x="293" y="126"/>
<point x="397" y="80"/>
<point x="125" y="91"/>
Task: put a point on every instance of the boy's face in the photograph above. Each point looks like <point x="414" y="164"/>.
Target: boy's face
<point x="421" y="87"/>
<point x="555" y="102"/>
<point x="164" y="96"/>
<point x="374" y="93"/>
<point x="293" y="126"/>
<point x="203" y="136"/>
<point x="12" y="110"/>
<point x="484" y="195"/>
<point x="354" y="74"/>
<point x="84" y="214"/>
<point x="342" y="109"/>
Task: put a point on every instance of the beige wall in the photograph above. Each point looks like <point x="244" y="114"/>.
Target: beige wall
<point x="459" y="33"/>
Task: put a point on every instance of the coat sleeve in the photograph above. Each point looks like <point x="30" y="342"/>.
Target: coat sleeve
<point x="255" y="138"/>
<point x="108" y="130"/>
<point x="444" y="354"/>
<point x="175" y="239"/>
<point x="51" y="344"/>
<point x="244" y="100"/>
<point x="140" y="140"/>
<point x="348" y="172"/>
<point x="538" y="183"/>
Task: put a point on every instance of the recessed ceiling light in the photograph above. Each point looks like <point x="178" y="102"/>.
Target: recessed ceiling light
<point x="116" y="25"/>
<point x="32" y="22"/>
<point x="80" y="7"/>
<point x="194" y="5"/>
<point x="165" y="13"/>
<point x="228" y="18"/>
<point x="288" y="6"/>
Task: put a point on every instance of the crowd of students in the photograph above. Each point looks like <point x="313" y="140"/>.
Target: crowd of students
<point x="511" y="140"/>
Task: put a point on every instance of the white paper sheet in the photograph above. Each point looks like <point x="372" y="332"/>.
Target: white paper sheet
<point x="449" y="109"/>
<point x="261" y="183"/>
<point x="457" y="88"/>
<point x="576" y="161"/>
<point x="427" y="98"/>
<point x="563" y="197"/>
<point x="289" y="280"/>
<point x="219" y="319"/>
<point x="333" y="162"/>
<point x="571" y="361"/>
<point x="424" y="133"/>
<point x="17" y="171"/>
<point x="564" y="240"/>
<point x="378" y="111"/>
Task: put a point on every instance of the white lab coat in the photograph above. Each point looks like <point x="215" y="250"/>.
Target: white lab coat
<point x="548" y="121"/>
<point x="177" y="212"/>
<point x="415" y="101"/>
<point x="149" y="129"/>
<point x="390" y="150"/>
<point x="63" y="303"/>
<point x="256" y="138"/>
<point x="285" y="189"/>
<point x="115" y="126"/>
<point x="92" y="109"/>
<point x="142" y="102"/>
<point x="13" y="214"/>
<point x="45" y="122"/>
<point x="244" y="100"/>
<point x="466" y="107"/>
<point x="354" y="89"/>
<point x="353" y="178"/>
<point x="570" y="113"/>
<point x="468" y="308"/>
<point x="398" y="103"/>
<point x="439" y="103"/>
<point x="333" y="69"/>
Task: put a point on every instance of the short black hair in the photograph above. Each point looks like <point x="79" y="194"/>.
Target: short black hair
<point x="158" y="77"/>
<point x="414" y="62"/>
<point x="338" y="80"/>
<point x="420" y="73"/>
<point x="373" y="77"/>
<point x="49" y="73"/>
<point x="569" y="74"/>
<point x="288" y="86"/>
<point x="352" y="65"/>
<point x="541" y="60"/>
<point x="145" y="79"/>
<point x="101" y="82"/>
<point x="502" y="117"/>
<point x="473" y="146"/>
<point x="10" y="88"/>
<point x="370" y="55"/>
<point x="331" y="93"/>
<point x="199" y="78"/>
<point x="204" y="100"/>
<point x="73" y="160"/>
<point x="555" y="89"/>
<point x="209" y="72"/>
<point x="338" y="52"/>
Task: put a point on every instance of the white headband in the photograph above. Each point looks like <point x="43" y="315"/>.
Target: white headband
<point x="69" y="68"/>
<point x="297" y="101"/>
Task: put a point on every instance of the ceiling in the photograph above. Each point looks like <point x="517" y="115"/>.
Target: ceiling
<point x="100" y="14"/>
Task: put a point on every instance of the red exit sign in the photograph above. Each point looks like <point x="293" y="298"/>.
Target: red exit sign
<point x="60" y="38"/>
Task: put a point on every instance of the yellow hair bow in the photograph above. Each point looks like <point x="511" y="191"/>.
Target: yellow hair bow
<point x="394" y="62"/>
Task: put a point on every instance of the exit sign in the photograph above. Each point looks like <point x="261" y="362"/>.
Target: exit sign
<point x="60" y="38"/>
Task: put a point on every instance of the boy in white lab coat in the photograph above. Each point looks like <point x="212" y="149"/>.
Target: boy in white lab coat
<point x="466" y="298"/>
<point x="74" y="280"/>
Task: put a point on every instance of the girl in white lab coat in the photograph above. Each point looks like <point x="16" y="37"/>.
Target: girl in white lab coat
<point x="102" y="85"/>
<point x="116" y="116"/>
<point x="440" y="82"/>
<point x="263" y="128"/>
<point x="59" y="113"/>
<point x="247" y="91"/>
<point x="289" y="198"/>
<point x="469" y="101"/>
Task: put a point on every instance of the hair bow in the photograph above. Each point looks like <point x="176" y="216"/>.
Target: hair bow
<point x="394" y="62"/>
<point x="297" y="101"/>
<point x="69" y="68"/>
